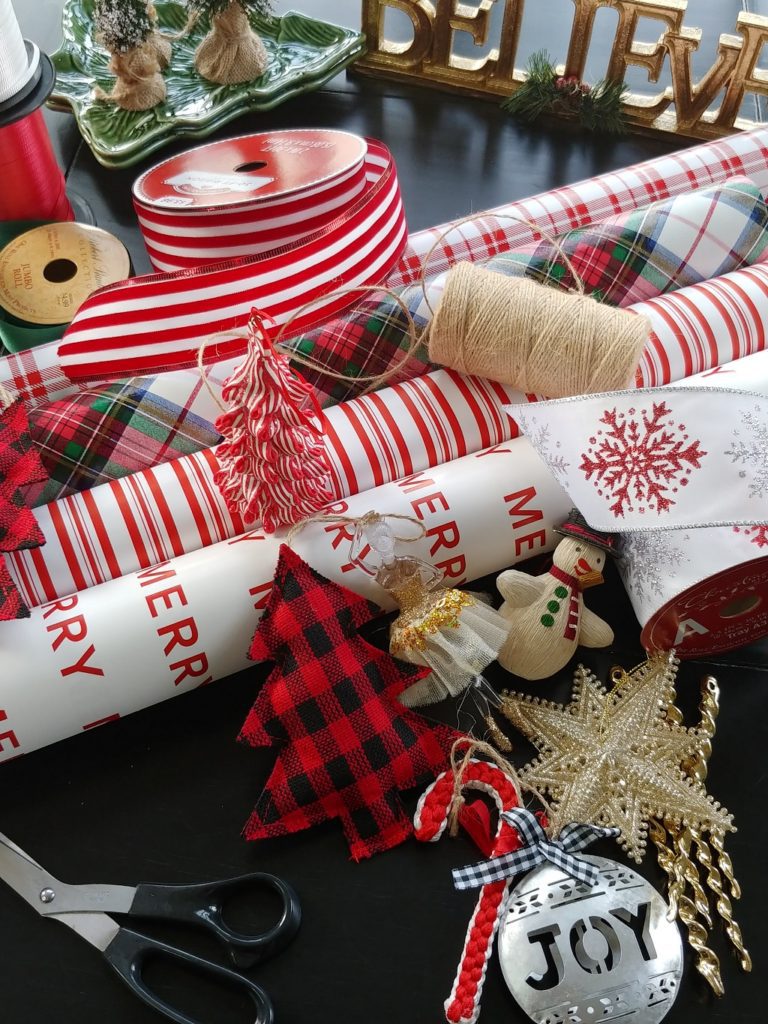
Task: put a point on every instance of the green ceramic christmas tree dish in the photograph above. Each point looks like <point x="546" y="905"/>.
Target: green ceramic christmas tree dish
<point x="303" y="53"/>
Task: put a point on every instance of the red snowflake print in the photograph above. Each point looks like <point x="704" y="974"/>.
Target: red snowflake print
<point x="641" y="459"/>
<point x="757" y="534"/>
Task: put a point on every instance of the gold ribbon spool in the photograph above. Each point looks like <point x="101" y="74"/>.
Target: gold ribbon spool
<point x="47" y="273"/>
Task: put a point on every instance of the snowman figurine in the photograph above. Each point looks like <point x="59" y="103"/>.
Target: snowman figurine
<point x="546" y="614"/>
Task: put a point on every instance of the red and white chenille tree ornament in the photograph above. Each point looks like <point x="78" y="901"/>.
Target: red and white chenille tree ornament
<point x="273" y="460"/>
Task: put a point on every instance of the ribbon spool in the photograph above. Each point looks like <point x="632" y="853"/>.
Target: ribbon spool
<point x="297" y="222"/>
<point x="47" y="273"/>
<point x="33" y="184"/>
<point x="679" y="609"/>
<point x="247" y="195"/>
<point x="536" y="338"/>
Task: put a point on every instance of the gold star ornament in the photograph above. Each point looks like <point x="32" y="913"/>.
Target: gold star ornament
<point x="614" y="757"/>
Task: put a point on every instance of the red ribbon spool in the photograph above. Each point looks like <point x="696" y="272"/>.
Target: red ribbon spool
<point x="34" y="183"/>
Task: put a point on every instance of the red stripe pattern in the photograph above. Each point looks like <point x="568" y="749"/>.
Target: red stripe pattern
<point x="160" y="513"/>
<point x="158" y="322"/>
<point x="37" y="374"/>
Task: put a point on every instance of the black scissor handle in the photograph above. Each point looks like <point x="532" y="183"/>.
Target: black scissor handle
<point x="128" y="952"/>
<point x="202" y="905"/>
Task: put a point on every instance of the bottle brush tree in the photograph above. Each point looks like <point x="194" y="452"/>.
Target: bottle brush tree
<point x="125" y="28"/>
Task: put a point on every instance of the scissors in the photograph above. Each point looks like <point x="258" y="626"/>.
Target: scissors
<point x="83" y="908"/>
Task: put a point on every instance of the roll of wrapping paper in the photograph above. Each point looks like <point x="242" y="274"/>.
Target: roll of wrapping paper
<point x="693" y="330"/>
<point x="176" y="508"/>
<point x="87" y="659"/>
<point x="43" y="376"/>
<point x="558" y="210"/>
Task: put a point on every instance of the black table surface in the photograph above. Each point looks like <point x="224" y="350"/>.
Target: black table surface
<point x="162" y="795"/>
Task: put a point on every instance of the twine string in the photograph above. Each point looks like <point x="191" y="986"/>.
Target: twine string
<point x="516" y="218"/>
<point x="459" y="765"/>
<point x="373" y="380"/>
<point x="360" y="522"/>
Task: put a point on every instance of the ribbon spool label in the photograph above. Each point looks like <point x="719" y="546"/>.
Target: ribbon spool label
<point x="725" y="611"/>
<point x="569" y="952"/>
<point x="47" y="273"/>
<point x="249" y="169"/>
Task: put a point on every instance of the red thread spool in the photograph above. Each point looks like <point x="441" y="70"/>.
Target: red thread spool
<point x="33" y="186"/>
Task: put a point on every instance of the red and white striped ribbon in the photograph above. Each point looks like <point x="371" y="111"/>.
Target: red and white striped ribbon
<point x="158" y="322"/>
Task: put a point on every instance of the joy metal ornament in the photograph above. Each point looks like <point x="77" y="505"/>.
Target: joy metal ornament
<point x="572" y="952"/>
<point x="429" y="58"/>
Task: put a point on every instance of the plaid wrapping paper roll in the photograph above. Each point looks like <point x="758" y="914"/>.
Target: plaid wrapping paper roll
<point x="623" y="260"/>
<point x="109" y="331"/>
<point x="118" y="647"/>
<point x="41" y="375"/>
<point x="656" y="249"/>
<point x="148" y="517"/>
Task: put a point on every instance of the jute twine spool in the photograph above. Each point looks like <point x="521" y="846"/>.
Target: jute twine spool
<point x="231" y="52"/>
<point x="534" y="337"/>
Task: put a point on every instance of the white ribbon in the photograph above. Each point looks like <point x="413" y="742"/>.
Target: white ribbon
<point x="666" y="458"/>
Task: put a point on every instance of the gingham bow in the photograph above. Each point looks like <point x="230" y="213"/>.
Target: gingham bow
<point x="536" y="849"/>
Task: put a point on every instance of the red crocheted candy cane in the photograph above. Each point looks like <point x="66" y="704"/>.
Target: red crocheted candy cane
<point x="432" y="813"/>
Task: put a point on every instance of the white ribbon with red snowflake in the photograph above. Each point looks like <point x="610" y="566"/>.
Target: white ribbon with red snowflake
<point x="668" y="458"/>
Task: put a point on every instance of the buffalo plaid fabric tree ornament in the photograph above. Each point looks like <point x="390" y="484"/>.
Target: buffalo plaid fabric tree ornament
<point x="348" y="745"/>
<point x="20" y="466"/>
<point x="274" y="465"/>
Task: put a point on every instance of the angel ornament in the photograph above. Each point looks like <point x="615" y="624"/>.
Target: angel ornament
<point x="452" y="632"/>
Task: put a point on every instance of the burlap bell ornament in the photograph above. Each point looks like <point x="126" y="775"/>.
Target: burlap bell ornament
<point x="546" y="614"/>
<point x="127" y="30"/>
<point x="231" y="52"/>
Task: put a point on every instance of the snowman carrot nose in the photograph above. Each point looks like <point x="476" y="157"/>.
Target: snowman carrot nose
<point x="586" y="575"/>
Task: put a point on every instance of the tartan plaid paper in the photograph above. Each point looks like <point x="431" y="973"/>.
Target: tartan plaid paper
<point x="622" y="260"/>
<point x="106" y="433"/>
<point x="488" y="233"/>
<point x="663" y="247"/>
<point x="347" y="746"/>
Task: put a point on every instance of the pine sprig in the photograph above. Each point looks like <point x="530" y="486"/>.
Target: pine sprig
<point x="207" y="8"/>
<point x="598" y="107"/>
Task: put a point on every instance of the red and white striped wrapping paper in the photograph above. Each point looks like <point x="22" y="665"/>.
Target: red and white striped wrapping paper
<point x="140" y="520"/>
<point x="38" y="374"/>
<point x="121" y="646"/>
<point x="174" y="508"/>
<point x="585" y="202"/>
<point x="699" y="327"/>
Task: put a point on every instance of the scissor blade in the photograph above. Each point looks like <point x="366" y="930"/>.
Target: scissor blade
<point x="24" y="875"/>
<point x="28" y="879"/>
<point x="98" y="929"/>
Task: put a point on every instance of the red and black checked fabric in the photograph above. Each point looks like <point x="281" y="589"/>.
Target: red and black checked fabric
<point x="349" y="747"/>
<point x="20" y="466"/>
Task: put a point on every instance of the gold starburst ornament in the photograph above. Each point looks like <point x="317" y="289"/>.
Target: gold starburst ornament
<point x="614" y="757"/>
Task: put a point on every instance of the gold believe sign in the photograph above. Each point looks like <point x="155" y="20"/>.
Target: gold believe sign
<point x="682" y="108"/>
